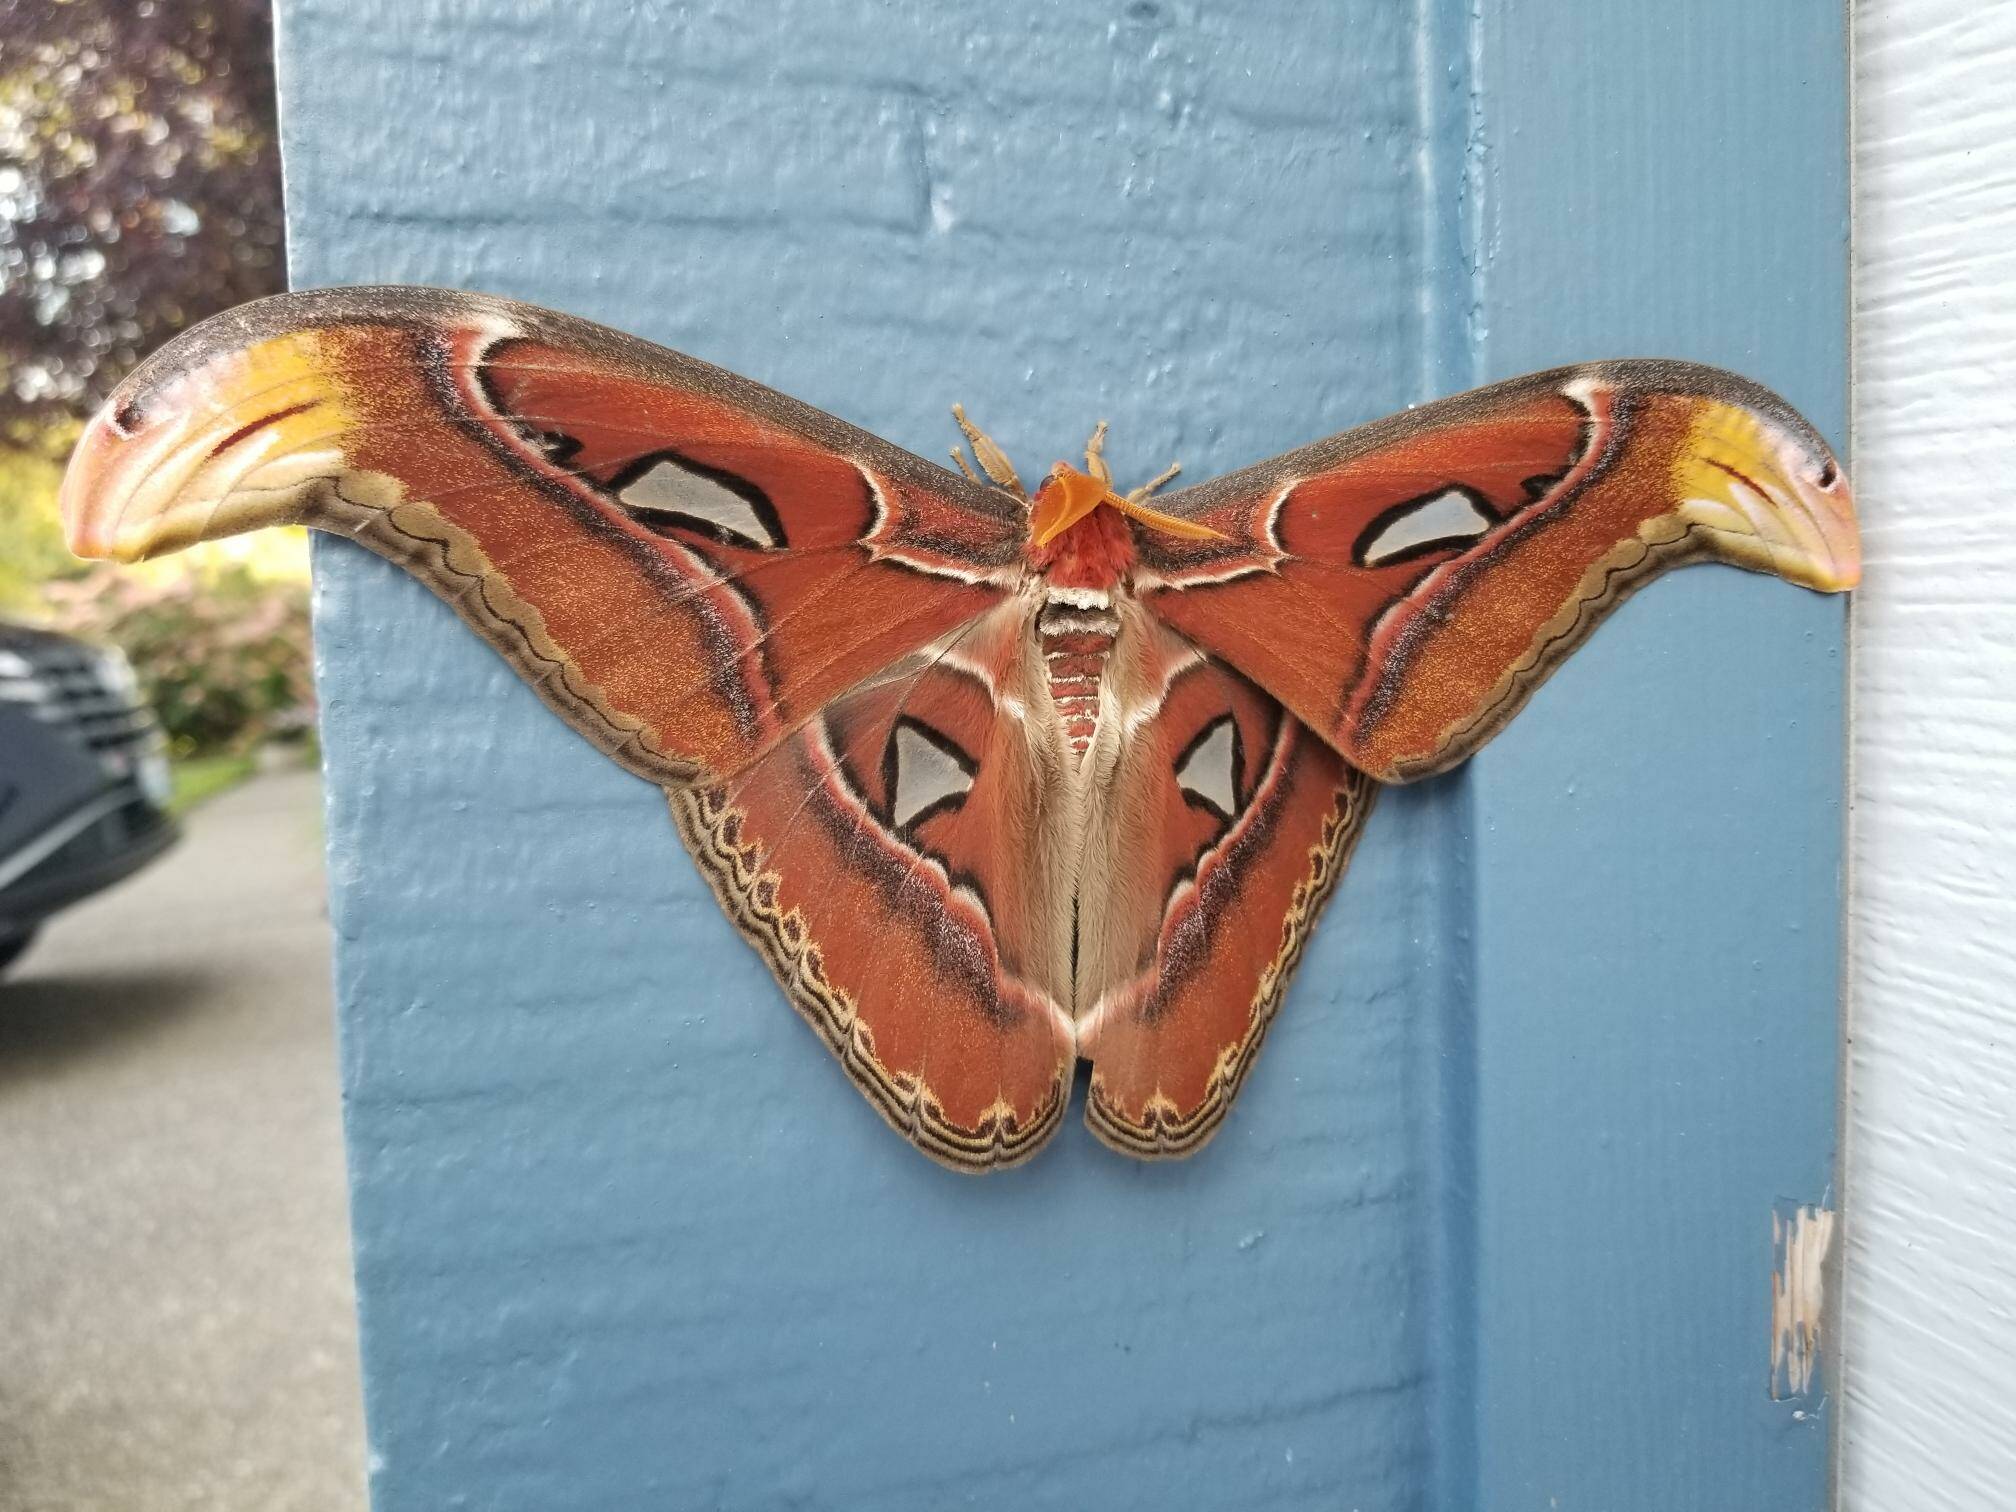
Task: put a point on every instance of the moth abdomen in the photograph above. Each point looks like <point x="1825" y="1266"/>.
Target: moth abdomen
<point x="1076" y="630"/>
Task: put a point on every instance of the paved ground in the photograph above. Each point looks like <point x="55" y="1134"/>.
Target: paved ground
<point x="176" y="1328"/>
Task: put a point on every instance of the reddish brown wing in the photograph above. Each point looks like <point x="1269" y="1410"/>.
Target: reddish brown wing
<point x="785" y="621"/>
<point x="1404" y="588"/>
<point x="884" y="860"/>
<point x="1229" y="823"/>
<point x="685" y="564"/>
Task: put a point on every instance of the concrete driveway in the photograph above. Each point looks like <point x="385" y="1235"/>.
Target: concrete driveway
<point x="176" y="1323"/>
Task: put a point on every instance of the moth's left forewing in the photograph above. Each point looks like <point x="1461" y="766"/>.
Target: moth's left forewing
<point x="685" y="564"/>
<point x="1405" y="587"/>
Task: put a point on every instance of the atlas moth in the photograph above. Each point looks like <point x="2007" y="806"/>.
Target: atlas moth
<point x="994" y="779"/>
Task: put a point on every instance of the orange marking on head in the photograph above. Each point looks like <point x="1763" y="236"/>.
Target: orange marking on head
<point x="1065" y="498"/>
<point x="1068" y="496"/>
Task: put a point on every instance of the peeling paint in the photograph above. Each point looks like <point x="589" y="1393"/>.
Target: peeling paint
<point x="1800" y="1240"/>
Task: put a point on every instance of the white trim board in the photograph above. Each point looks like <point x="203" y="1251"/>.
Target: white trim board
<point x="1930" y="1318"/>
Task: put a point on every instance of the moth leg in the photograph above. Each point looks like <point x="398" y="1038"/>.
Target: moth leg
<point x="1095" y="455"/>
<point x="1147" y="490"/>
<point x="993" y="461"/>
<point x="959" y="456"/>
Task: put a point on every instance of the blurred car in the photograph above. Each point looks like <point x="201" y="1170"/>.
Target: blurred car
<point x="83" y="779"/>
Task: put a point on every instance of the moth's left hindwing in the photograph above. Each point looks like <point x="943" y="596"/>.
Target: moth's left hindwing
<point x="885" y="861"/>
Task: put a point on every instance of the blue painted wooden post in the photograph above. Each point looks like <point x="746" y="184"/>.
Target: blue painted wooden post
<point x="1490" y="1225"/>
<point x="1657" y="841"/>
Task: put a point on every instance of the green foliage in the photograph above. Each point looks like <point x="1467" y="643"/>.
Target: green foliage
<point x="222" y="654"/>
<point x="202" y="778"/>
<point x="31" y="544"/>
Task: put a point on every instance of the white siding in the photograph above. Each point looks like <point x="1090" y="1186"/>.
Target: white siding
<point x="1930" y="1417"/>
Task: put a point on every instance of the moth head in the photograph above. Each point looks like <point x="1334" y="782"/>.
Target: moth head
<point x="1062" y="499"/>
<point x="1068" y="496"/>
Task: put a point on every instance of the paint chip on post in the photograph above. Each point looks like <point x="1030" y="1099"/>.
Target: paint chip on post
<point x="1801" y="1237"/>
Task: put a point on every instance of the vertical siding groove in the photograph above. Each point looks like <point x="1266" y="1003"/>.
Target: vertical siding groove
<point x="1448" y="37"/>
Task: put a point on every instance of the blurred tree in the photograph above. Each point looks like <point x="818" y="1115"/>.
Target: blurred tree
<point x="139" y="190"/>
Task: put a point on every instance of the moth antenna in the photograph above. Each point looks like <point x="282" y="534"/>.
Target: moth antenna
<point x="1095" y="455"/>
<point x="1147" y="490"/>
<point x="959" y="456"/>
<point x="993" y="461"/>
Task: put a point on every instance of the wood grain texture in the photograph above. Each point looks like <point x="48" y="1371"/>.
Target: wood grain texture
<point x="1932" y="1157"/>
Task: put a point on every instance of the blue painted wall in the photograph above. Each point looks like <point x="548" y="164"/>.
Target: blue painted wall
<point x="1484" y="1228"/>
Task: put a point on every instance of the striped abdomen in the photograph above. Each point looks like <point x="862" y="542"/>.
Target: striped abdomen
<point x="1076" y="634"/>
